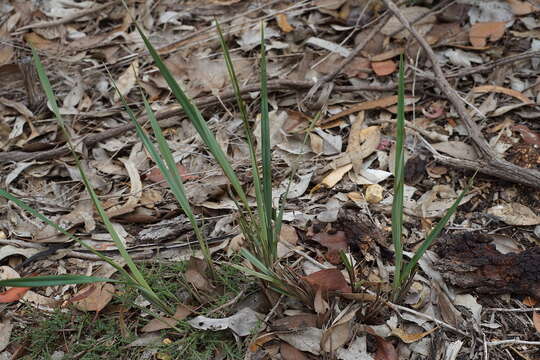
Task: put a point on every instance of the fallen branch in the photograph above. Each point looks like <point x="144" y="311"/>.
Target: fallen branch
<point x="167" y="119"/>
<point x="492" y="165"/>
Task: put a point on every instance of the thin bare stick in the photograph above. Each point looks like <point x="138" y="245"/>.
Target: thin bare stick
<point x="512" y="342"/>
<point x="493" y="164"/>
<point x="352" y="55"/>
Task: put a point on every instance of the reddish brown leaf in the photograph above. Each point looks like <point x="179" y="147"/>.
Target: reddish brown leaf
<point x="156" y="176"/>
<point x="383" y="68"/>
<point x="289" y="352"/>
<point x="328" y="280"/>
<point x="481" y="31"/>
<point x="13" y="294"/>
<point x="334" y="243"/>
<point x="385" y="350"/>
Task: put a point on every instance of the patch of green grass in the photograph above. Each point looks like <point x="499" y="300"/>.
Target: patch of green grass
<point x="85" y="336"/>
<point x="77" y="335"/>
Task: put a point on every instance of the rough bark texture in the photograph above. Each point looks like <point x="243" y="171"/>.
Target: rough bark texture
<point x="469" y="261"/>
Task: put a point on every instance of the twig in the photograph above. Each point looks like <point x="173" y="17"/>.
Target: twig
<point x="167" y="119"/>
<point x="228" y="303"/>
<point x="493" y="164"/>
<point x="437" y="321"/>
<point x="512" y="342"/>
<point x="429" y="134"/>
<point x="44" y="24"/>
<point x="352" y="55"/>
<point x="512" y="310"/>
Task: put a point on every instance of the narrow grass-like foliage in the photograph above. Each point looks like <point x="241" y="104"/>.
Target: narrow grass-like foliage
<point x="134" y="277"/>
<point x="403" y="272"/>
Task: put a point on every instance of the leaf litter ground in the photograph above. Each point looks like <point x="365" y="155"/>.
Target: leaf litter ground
<point x="476" y="291"/>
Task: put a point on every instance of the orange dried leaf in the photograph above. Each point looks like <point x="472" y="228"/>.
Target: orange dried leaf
<point x="283" y="23"/>
<point x="410" y="338"/>
<point x="328" y="280"/>
<point x="383" y="68"/>
<point x="521" y="7"/>
<point x="480" y="32"/>
<point x="502" y="90"/>
<point x="13" y="294"/>
<point x="335" y="176"/>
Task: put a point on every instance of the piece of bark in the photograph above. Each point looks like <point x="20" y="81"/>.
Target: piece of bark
<point x="469" y="261"/>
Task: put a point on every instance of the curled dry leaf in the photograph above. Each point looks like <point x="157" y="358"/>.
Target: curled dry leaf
<point x="383" y="68"/>
<point x="502" y="90"/>
<point x="482" y="31"/>
<point x="410" y="338"/>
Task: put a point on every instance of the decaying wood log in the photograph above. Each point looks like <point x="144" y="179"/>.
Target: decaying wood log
<point x="470" y="261"/>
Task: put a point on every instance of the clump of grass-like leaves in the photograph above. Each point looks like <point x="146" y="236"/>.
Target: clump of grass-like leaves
<point x="260" y="227"/>
<point x="404" y="271"/>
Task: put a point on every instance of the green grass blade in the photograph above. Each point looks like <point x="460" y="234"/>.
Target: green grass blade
<point x="261" y="243"/>
<point x="21" y="204"/>
<point x="409" y="268"/>
<point x="399" y="185"/>
<point x="169" y="170"/>
<point x="198" y="122"/>
<point x="54" y="280"/>
<point x="266" y="148"/>
<point x="136" y="274"/>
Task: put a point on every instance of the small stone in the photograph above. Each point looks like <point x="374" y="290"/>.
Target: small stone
<point x="374" y="194"/>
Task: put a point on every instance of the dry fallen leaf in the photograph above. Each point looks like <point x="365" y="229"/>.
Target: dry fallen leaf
<point x="520" y="7"/>
<point x="410" y="338"/>
<point x="335" y="176"/>
<point x="13" y="294"/>
<point x="383" y="68"/>
<point x="514" y="214"/>
<point x="289" y="352"/>
<point x="334" y="243"/>
<point x="156" y="324"/>
<point x="196" y="274"/>
<point x="481" y="31"/>
<point x="242" y="323"/>
<point x="127" y="80"/>
<point x="96" y="299"/>
<point x="502" y="90"/>
<point x="283" y="23"/>
<point x="328" y="280"/>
